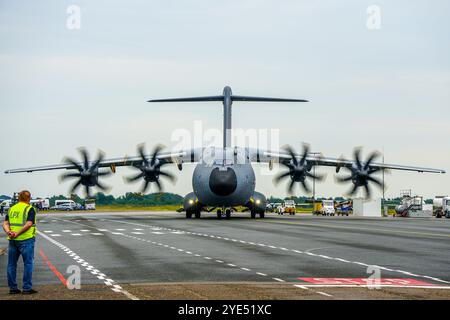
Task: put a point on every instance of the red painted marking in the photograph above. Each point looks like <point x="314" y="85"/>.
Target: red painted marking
<point x="367" y="281"/>
<point x="53" y="268"/>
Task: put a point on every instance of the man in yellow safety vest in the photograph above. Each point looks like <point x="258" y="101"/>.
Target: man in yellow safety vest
<point x="20" y="225"/>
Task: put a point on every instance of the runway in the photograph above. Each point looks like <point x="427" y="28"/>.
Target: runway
<point x="161" y="255"/>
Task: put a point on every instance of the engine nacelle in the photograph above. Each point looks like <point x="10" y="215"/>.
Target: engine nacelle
<point x="191" y="203"/>
<point x="257" y="203"/>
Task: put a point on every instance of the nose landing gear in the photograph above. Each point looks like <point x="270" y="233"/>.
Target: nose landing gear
<point x="221" y="212"/>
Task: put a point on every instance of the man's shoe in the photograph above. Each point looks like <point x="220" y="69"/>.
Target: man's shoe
<point x="15" y="291"/>
<point x="31" y="291"/>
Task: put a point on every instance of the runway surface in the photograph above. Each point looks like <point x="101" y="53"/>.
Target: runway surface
<point x="161" y="255"/>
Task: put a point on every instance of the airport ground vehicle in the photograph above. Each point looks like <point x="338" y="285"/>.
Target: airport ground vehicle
<point x="89" y="204"/>
<point x="289" y="207"/>
<point x="4" y="206"/>
<point x="324" y="208"/>
<point x="344" y="208"/>
<point x="41" y="204"/>
<point x="441" y="207"/>
<point x="276" y="207"/>
<point x="328" y="208"/>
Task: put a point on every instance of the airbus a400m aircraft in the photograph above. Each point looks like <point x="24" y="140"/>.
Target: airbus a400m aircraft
<point x="223" y="177"/>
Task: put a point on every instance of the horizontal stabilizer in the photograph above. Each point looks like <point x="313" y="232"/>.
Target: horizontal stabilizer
<point x="265" y="99"/>
<point x="233" y="98"/>
<point x="192" y="99"/>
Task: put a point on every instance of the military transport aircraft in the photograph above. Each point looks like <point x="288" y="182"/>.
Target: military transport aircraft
<point x="223" y="177"/>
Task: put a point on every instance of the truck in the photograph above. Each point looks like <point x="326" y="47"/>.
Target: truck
<point x="324" y="208"/>
<point x="289" y="207"/>
<point x="41" y="204"/>
<point x="89" y="204"/>
<point x="328" y="208"/>
<point x="441" y="206"/>
<point x="344" y="208"/>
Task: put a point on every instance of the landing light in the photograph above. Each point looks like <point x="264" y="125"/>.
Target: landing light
<point x="258" y="201"/>
<point x="191" y="201"/>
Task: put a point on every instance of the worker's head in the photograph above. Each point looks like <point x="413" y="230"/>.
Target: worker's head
<point x="25" y="196"/>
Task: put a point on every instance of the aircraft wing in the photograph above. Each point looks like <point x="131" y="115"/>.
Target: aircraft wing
<point x="265" y="156"/>
<point x="177" y="157"/>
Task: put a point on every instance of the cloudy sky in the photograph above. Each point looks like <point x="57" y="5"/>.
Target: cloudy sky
<point x="383" y="89"/>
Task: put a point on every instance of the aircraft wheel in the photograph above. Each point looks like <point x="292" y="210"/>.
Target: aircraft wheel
<point x="253" y="214"/>
<point x="261" y="215"/>
<point x="197" y="215"/>
<point x="188" y="214"/>
<point x="228" y="213"/>
<point x="219" y="214"/>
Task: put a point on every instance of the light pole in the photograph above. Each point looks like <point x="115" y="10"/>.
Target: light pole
<point x="314" y="180"/>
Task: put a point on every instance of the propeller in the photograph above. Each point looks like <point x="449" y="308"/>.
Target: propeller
<point x="299" y="170"/>
<point x="87" y="174"/>
<point x="150" y="169"/>
<point x="361" y="173"/>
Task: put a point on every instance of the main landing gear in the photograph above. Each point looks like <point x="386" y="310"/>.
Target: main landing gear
<point x="190" y="213"/>
<point x="253" y="214"/>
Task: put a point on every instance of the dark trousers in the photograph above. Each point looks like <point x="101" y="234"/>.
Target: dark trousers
<point x="24" y="248"/>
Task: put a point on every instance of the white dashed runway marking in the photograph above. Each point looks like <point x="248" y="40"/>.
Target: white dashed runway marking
<point x="232" y="265"/>
<point x="115" y="287"/>
<point x="286" y="250"/>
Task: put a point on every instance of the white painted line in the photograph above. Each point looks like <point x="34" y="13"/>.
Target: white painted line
<point x="261" y="274"/>
<point x="88" y="267"/>
<point x="117" y="233"/>
<point x="219" y="261"/>
<point x="136" y="232"/>
<point x="48" y="231"/>
<point x="120" y="229"/>
<point x="373" y="286"/>
<point x="84" y="230"/>
<point x="231" y="265"/>
<point x="324" y="294"/>
<point x="245" y="269"/>
<point x="301" y="287"/>
<point x="76" y="234"/>
<point x="97" y="234"/>
<point x="66" y="231"/>
<point x="278" y="279"/>
<point x="55" y="235"/>
<point x="156" y="232"/>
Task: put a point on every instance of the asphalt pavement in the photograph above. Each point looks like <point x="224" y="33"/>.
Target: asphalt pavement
<point x="162" y="255"/>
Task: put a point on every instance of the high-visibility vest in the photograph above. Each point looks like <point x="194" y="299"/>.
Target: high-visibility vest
<point x="18" y="215"/>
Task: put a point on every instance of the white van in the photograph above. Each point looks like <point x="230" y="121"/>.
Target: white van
<point x="65" y="205"/>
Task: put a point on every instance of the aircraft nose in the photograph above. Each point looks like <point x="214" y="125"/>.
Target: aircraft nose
<point x="223" y="182"/>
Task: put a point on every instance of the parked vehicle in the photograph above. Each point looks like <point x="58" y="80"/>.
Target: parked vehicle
<point x="328" y="208"/>
<point x="324" y="208"/>
<point x="441" y="207"/>
<point x="63" y="207"/>
<point x="69" y="203"/>
<point x="289" y="207"/>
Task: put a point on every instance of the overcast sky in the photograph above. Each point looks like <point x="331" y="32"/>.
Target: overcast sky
<point x="383" y="89"/>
